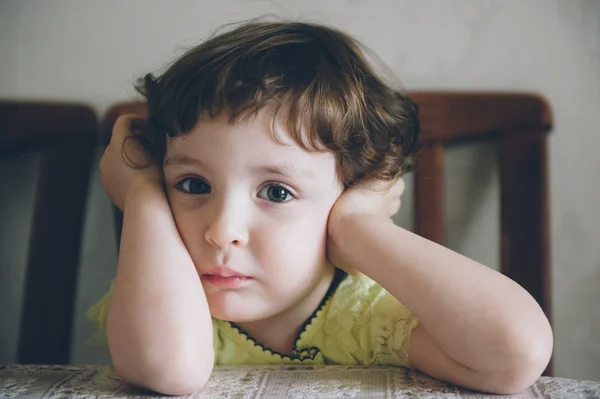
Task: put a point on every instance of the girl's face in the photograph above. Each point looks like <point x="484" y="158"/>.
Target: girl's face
<point x="248" y="206"/>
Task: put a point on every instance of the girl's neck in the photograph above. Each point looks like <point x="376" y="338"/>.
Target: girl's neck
<point x="279" y="332"/>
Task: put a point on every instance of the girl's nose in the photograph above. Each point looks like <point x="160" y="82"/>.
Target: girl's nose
<point x="226" y="227"/>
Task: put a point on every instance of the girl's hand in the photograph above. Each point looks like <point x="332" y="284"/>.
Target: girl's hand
<point x="369" y="198"/>
<point x="119" y="176"/>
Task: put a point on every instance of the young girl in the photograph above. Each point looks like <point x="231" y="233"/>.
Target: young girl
<point x="259" y="230"/>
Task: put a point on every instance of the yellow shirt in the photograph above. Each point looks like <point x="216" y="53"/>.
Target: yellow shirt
<point x="359" y="323"/>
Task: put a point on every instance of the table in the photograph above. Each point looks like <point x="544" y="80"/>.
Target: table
<point x="95" y="382"/>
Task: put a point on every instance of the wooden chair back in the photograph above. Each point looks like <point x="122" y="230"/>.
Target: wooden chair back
<point x="65" y="135"/>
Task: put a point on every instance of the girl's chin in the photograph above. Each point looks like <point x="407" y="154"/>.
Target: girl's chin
<point x="235" y="311"/>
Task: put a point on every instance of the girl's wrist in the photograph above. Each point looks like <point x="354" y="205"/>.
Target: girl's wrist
<point x="350" y="222"/>
<point x="144" y="192"/>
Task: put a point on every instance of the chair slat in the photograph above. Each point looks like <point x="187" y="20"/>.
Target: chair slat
<point x="429" y="193"/>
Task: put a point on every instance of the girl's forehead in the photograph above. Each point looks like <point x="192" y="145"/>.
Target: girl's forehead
<point x="255" y="136"/>
<point x="225" y="143"/>
<point x="251" y="142"/>
<point x="268" y="123"/>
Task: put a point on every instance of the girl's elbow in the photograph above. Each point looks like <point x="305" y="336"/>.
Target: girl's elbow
<point x="179" y="382"/>
<point x="181" y="377"/>
<point x="522" y="370"/>
<point x="514" y="381"/>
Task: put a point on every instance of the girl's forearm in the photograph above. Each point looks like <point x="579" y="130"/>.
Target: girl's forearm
<point x="479" y="317"/>
<point x="159" y="327"/>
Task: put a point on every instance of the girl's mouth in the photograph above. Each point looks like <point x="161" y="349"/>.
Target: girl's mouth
<point x="224" y="277"/>
<point x="226" y="281"/>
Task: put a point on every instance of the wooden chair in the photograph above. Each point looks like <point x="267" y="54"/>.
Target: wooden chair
<point x="520" y="124"/>
<point x="66" y="136"/>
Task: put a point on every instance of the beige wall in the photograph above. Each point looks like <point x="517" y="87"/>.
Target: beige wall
<point x="91" y="51"/>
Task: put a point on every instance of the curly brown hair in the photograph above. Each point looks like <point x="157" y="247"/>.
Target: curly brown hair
<point x="317" y="76"/>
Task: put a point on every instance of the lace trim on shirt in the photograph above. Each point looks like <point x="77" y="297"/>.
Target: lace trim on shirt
<point x="300" y="354"/>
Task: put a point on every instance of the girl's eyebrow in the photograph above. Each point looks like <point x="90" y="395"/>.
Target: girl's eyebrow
<point x="182" y="161"/>
<point x="287" y="170"/>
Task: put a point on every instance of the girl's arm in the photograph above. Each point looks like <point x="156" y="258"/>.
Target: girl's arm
<point x="159" y="329"/>
<point x="478" y="328"/>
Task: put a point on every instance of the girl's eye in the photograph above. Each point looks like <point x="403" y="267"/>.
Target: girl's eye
<point x="275" y="193"/>
<point x="192" y="185"/>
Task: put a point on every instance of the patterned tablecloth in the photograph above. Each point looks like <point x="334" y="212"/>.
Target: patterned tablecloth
<point x="56" y="382"/>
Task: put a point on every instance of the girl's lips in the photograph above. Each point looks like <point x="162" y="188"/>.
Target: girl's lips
<point x="222" y="271"/>
<point x="226" y="281"/>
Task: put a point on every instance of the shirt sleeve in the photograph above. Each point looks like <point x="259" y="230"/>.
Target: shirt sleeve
<point x="375" y="326"/>
<point x="391" y="325"/>
<point x="97" y="315"/>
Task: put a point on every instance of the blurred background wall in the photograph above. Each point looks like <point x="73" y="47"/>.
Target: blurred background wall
<point x="92" y="52"/>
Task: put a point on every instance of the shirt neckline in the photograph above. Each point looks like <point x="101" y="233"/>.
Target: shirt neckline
<point x="302" y="351"/>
